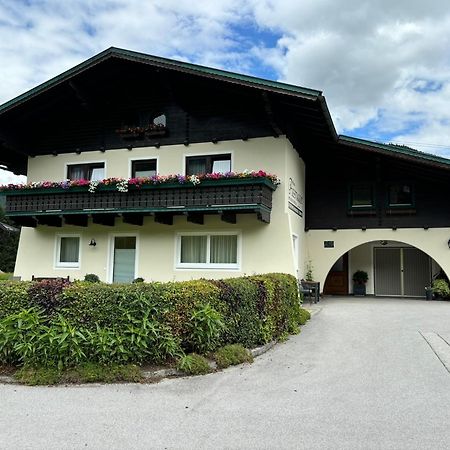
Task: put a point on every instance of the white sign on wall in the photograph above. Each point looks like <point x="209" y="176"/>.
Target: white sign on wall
<point x="295" y="199"/>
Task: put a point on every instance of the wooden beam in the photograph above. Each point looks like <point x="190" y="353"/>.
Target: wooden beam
<point x="228" y="217"/>
<point x="263" y="216"/>
<point x="197" y="218"/>
<point x="164" y="218"/>
<point x="51" y="221"/>
<point x="108" y="220"/>
<point x="79" y="220"/>
<point x="133" y="219"/>
<point x="277" y="131"/>
<point x="25" y="221"/>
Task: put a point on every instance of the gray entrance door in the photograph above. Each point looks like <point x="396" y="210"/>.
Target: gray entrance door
<point x="401" y="272"/>
<point x="124" y="259"/>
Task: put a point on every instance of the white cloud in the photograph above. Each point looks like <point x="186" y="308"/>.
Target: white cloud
<point x="384" y="66"/>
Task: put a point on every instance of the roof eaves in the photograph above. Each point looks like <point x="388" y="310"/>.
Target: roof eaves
<point x="247" y="80"/>
<point x="395" y="149"/>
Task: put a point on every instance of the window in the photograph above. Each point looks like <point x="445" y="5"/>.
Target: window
<point x="362" y="196"/>
<point x="91" y="171"/>
<point x="218" y="250"/>
<point x="143" y="168"/>
<point x="68" y="251"/>
<point x="400" y="194"/>
<point x="196" y="165"/>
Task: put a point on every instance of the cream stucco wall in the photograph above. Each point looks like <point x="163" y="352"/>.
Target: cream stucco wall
<point x="265" y="247"/>
<point x="432" y="241"/>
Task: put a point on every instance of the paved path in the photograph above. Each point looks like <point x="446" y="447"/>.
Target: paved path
<point x="359" y="376"/>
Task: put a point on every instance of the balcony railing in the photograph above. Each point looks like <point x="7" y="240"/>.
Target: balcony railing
<point x="56" y="206"/>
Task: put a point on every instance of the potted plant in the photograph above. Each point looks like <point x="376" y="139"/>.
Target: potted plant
<point x="360" y="278"/>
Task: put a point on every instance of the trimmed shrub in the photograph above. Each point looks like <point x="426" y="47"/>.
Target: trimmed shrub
<point x="231" y="355"/>
<point x="92" y="278"/>
<point x="194" y="364"/>
<point x="62" y="324"/>
<point x="47" y="294"/>
<point x="13" y="297"/>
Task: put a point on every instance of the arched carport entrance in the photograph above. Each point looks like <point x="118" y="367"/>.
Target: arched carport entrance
<point x="398" y="262"/>
<point x="395" y="269"/>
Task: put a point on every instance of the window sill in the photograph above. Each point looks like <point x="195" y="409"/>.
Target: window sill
<point x="392" y="211"/>
<point x="358" y="212"/>
<point x="225" y="267"/>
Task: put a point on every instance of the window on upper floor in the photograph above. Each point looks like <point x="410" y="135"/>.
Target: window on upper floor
<point x="196" y="165"/>
<point x="400" y="194"/>
<point x="143" y="168"/>
<point x="362" y="196"/>
<point x="89" y="171"/>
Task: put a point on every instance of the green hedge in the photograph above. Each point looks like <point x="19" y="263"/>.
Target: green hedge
<point x="138" y="322"/>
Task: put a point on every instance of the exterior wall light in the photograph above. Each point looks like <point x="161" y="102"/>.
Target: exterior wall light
<point x="92" y="243"/>
<point x="383" y="242"/>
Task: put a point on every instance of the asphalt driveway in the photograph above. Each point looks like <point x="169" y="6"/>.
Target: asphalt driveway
<point x="359" y="376"/>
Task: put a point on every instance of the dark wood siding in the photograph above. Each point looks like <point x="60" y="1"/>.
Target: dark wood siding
<point x="330" y="173"/>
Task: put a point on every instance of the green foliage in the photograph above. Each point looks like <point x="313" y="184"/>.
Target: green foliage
<point x="60" y="324"/>
<point x="309" y="271"/>
<point x="194" y="364"/>
<point x="304" y="316"/>
<point x="5" y="276"/>
<point x="231" y="355"/>
<point x="91" y="278"/>
<point x="85" y="373"/>
<point x="138" y="280"/>
<point x="205" y="328"/>
<point x="9" y="242"/>
<point x="13" y="297"/>
<point x="360" y="277"/>
<point x="441" y="288"/>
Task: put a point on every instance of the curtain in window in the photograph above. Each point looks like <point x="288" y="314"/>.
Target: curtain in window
<point x="223" y="249"/>
<point x="69" y="251"/>
<point x="193" y="249"/>
<point x="76" y="173"/>
<point x="196" y="166"/>
<point x="221" y="166"/>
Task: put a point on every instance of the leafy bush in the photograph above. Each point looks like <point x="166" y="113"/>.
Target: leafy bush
<point x="194" y="364"/>
<point x="62" y="324"/>
<point x="5" y="276"/>
<point x="205" y="328"/>
<point x="47" y="294"/>
<point x="304" y="316"/>
<point x="138" y="280"/>
<point x="231" y="355"/>
<point x="91" y="278"/>
<point x="441" y="288"/>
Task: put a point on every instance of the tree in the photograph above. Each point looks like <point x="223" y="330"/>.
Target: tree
<point x="9" y="241"/>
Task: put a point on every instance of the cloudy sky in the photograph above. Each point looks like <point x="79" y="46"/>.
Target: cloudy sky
<point x="384" y="66"/>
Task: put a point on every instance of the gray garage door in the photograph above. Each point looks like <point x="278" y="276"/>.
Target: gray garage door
<point x="401" y="272"/>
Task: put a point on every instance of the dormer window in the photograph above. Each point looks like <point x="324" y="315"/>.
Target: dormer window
<point x="197" y="165"/>
<point x="90" y="171"/>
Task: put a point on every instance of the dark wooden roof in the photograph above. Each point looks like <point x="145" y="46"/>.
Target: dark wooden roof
<point x="81" y="109"/>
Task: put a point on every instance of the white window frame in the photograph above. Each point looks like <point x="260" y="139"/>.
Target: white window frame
<point x="205" y="154"/>
<point x="66" y="265"/>
<point x="110" y="262"/>
<point x="141" y="158"/>
<point x="208" y="266"/>
<point x="78" y="163"/>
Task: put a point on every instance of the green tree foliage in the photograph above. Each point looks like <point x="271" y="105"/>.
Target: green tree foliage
<point x="8" y="246"/>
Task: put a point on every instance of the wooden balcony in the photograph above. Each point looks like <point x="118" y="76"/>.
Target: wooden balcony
<point x="74" y="206"/>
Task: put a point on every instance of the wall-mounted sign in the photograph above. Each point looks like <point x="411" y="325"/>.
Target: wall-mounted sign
<point x="295" y="199"/>
<point x="328" y="244"/>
